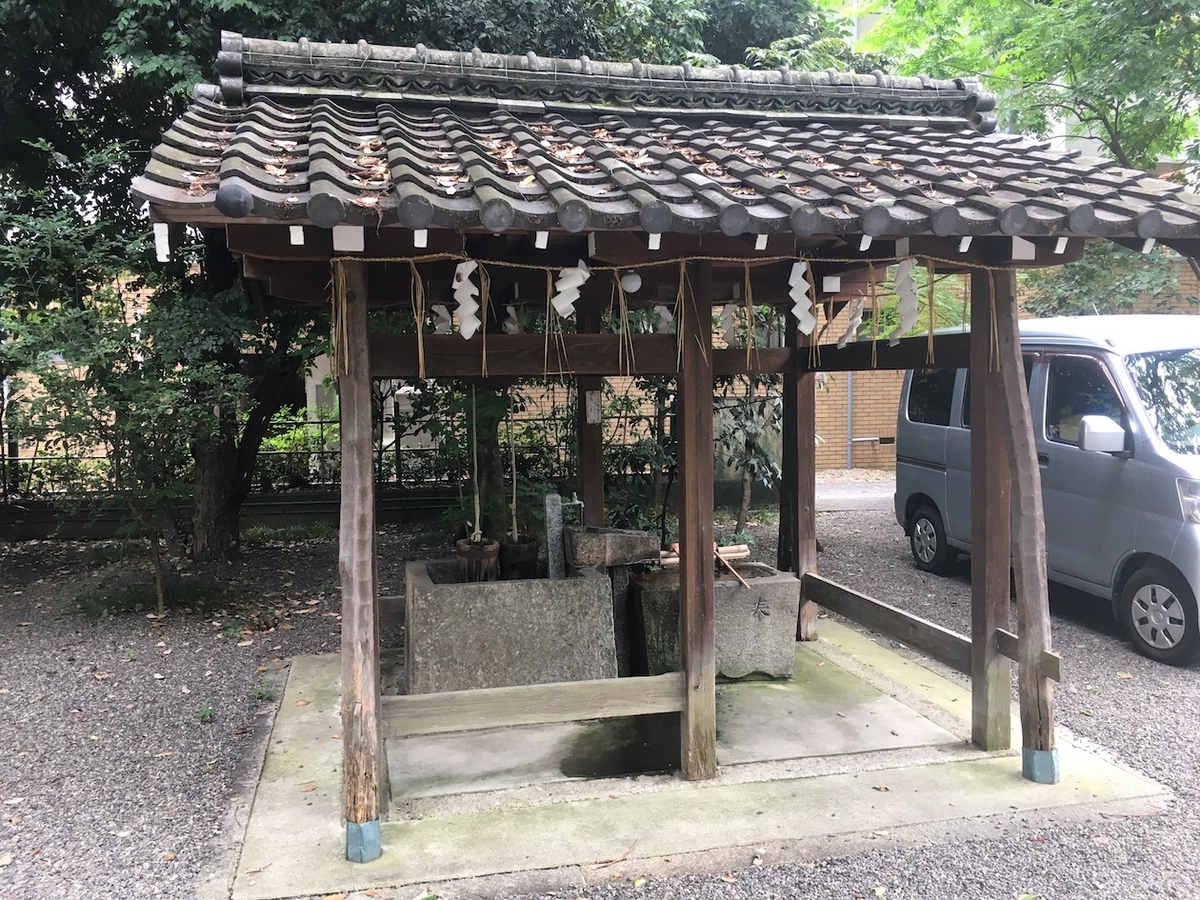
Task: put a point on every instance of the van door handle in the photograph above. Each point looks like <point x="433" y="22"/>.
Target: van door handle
<point x="1043" y="459"/>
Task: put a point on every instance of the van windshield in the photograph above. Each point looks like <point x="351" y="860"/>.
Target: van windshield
<point x="1168" y="383"/>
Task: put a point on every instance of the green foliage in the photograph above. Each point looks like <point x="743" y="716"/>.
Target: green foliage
<point x="298" y="452"/>
<point x="1122" y="73"/>
<point x="206" y="714"/>
<point x="264" y="691"/>
<point x="264" y="535"/>
<point x="654" y="31"/>
<point x="817" y="41"/>
<point x="1109" y="279"/>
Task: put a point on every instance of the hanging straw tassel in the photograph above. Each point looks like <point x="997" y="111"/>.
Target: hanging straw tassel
<point x="418" y="294"/>
<point x="874" y="317"/>
<point x="929" y="273"/>
<point x="751" y="330"/>
<point x="339" y="350"/>
<point x="485" y="291"/>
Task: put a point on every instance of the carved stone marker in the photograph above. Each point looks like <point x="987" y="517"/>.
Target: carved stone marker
<point x="755" y="626"/>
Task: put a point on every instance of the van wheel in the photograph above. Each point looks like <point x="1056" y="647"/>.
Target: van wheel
<point x="1159" y="610"/>
<point x="927" y="537"/>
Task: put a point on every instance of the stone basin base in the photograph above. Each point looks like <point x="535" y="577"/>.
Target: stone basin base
<point x="755" y="627"/>
<point x="501" y="633"/>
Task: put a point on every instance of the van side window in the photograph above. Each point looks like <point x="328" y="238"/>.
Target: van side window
<point x="1027" y="359"/>
<point x="1078" y="386"/>
<point x="929" y="396"/>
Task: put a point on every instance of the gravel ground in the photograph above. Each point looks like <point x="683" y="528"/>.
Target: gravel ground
<point x="124" y="741"/>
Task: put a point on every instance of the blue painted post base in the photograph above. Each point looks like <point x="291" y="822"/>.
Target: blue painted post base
<point x="364" y="841"/>
<point x="1040" y="766"/>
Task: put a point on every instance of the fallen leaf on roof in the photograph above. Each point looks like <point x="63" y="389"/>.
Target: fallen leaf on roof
<point x="1124" y="674"/>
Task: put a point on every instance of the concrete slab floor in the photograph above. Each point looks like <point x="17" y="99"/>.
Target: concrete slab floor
<point x="863" y="746"/>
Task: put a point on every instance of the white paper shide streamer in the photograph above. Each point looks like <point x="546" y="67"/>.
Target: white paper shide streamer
<point x="512" y="322"/>
<point x="850" y="335"/>
<point x="466" y="293"/>
<point x="909" y="309"/>
<point x="443" y="322"/>
<point x="567" y="287"/>
<point x="801" y="294"/>
<point x="663" y="319"/>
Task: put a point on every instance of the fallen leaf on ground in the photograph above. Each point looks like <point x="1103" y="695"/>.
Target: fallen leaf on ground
<point x="6" y="860"/>
<point x="303" y="702"/>
<point x="1124" y="674"/>
<point x="883" y="788"/>
<point x="169" y="856"/>
<point x="309" y="787"/>
<point x="165" y="753"/>
<point x="245" y="643"/>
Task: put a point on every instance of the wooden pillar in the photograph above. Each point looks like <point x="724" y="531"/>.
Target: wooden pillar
<point x="361" y="741"/>
<point x="1039" y="758"/>
<point x="697" y="635"/>
<point x="990" y="679"/>
<point x="797" y="551"/>
<point x="589" y="430"/>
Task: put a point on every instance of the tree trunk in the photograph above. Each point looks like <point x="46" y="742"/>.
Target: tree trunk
<point x="747" y="485"/>
<point x="224" y="464"/>
<point x="217" y="501"/>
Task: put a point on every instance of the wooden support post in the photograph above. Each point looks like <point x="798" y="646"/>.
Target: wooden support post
<point x="1039" y="758"/>
<point x="990" y="678"/>
<point x="361" y="742"/>
<point x="697" y="635"/>
<point x="797" y="551"/>
<point x="589" y="428"/>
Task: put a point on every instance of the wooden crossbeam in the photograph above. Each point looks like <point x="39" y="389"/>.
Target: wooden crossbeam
<point x="938" y="643"/>
<point x="533" y="704"/>
<point x="1008" y="646"/>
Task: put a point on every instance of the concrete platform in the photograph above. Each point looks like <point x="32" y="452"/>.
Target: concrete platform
<point x="862" y="747"/>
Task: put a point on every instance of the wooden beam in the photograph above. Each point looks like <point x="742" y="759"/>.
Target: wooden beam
<point x="363" y="784"/>
<point x="535" y="356"/>
<point x="627" y="248"/>
<point x="911" y="353"/>
<point x="533" y="704"/>
<point x="697" y="635"/>
<point x="589" y="430"/>
<point x="938" y="643"/>
<point x="990" y="679"/>
<point x="1039" y="759"/>
<point x="797" y="550"/>
<point x="274" y="241"/>
<point x="1009" y="647"/>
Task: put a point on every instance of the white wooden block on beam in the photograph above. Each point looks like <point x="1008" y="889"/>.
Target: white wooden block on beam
<point x="965" y="244"/>
<point x="831" y="284"/>
<point x="901" y="248"/>
<point x="1148" y="245"/>
<point x="162" y="241"/>
<point x="1060" y="246"/>
<point x="591" y="245"/>
<point x="348" y="239"/>
<point x="1023" y="249"/>
<point x="655" y="242"/>
<point x="865" y="244"/>
<point x="541" y="239"/>
<point x="296" y="235"/>
<point x="420" y="239"/>
<point x="760" y="242"/>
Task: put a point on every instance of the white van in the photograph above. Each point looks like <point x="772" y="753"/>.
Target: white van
<point x="1115" y="402"/>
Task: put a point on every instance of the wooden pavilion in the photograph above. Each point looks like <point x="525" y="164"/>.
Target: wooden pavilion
<point x="367" y="176"/>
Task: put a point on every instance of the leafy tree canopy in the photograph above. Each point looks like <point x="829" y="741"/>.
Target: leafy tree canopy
<point x="1126" y="74"/>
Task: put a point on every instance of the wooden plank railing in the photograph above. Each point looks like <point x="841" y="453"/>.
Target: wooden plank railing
<point x="940" y="644"/>
<point x="532" y="704"/>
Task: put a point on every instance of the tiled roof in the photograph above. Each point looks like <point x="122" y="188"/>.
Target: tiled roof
<point x="344" y="133"/>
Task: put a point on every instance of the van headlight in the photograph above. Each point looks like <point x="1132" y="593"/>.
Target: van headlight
<point x="1189" y="498"/>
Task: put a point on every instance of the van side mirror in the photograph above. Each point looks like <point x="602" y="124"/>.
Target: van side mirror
<point x="1100" y="434"/>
